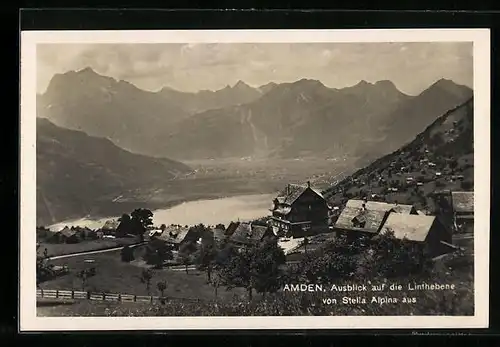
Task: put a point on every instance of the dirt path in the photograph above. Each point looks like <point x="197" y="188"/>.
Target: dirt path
<point x="94" y="252"/>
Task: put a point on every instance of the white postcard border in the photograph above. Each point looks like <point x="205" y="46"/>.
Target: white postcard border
<point x="27" y="305"/>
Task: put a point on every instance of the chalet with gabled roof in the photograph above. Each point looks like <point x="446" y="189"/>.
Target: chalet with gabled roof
<point x="299" y="210"/>
<point x="110" y="226"/>
<point x="367" y="217"/>
<point x="463" y="211"/>
<point x="247" y="234"/>
<point x="427" y="232"/>
<point x="65" y="235"/>
<point x="175" y="235"/>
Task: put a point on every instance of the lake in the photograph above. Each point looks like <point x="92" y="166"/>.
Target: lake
<point x="208" y="212"/>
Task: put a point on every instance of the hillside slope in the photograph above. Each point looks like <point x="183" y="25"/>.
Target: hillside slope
<point x="440" y="157"/>
<point x="76" y="173"/>
<point x="414" y="115"/>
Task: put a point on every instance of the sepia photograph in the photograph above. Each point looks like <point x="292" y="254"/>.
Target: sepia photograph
<point x="254" y="179"/>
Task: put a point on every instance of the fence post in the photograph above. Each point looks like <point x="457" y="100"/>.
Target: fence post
<point x="57" y="293"/>
<point x="88" y="295"/>
<point x="73" y="294"/>
<point x="135" y="298"/>
<point x="119" y="297"/>
<point x="103" y="296"/>
<point x="151" y="299"/>
<point x="41" y="290"/>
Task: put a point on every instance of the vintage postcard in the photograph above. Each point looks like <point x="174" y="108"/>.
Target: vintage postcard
<point x="255" y="179"/>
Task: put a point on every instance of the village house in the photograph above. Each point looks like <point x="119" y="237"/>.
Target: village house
<point x="43" y="233"/>
<point x="65" y="235"/>
<point x="231" y="228"/>
<point x="175" y="235"/>
<point x="424" y="231"/>
<point x="110" y="226"/>
<point x="85" y="233"/>
<point x="247" y="234"/>
<point x="219" y="234"/>
<point x="299" y="211"/>
<point x="362" y="217"/>
<point x="463" y="211"/>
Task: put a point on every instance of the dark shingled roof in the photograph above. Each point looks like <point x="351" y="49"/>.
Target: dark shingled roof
<point x="463" y="202"/>
<point x="248" y="233"/>
<point x="111" y="224"/>
<point x="68" y="232"/>
<point x="292" y="192"/>
<point x="173" y="234"/>
<point x="231" y="228"/>
<point x="219" y="234"/>
<point x="373" y="219"/>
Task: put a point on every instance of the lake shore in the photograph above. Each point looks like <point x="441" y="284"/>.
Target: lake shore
<point x="184" y="211"/>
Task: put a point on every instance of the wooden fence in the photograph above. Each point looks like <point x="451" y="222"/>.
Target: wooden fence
<point x="97" y="296"/>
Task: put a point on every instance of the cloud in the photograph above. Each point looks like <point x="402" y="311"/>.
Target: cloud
<point x="191" y="67"/>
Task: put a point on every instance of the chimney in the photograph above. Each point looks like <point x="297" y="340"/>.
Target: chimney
<point x="308" y="184"/>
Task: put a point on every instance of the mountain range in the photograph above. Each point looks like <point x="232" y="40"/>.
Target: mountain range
<point x="285" y="120"/>
<point x="77" y="173"/>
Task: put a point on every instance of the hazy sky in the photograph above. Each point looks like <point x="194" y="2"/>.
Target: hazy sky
<point x="192" y="67"/>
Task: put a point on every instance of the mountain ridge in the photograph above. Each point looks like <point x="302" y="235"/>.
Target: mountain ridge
<point x="78" y="173"/>
<point x="293" y="119"/>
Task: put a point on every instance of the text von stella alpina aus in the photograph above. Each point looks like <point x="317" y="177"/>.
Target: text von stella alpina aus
<point x="395" y="293"/>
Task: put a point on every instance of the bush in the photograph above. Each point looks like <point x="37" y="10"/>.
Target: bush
<point x="440" y="184"/>
<point x="127" y="254"/>
<point x="466" y="185"/>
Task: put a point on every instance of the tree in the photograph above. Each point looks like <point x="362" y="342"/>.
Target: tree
<point x="306" y="242"/>
<point x="216" y="282"/>
<point x="220" y="226"/>
<point x="335" y="260"/>
<point x="393" y="257"/>
<point x="205" y="256"/>
<point x="253" y="267"/>
<point x="453" y="164"/>
<point x="186" y="251"/>
<point x="141" y="219"/>
<point x="43" y="269"/>
<point x="466" y="185"/>
<point x="127" y="254"/>
<point x="146" y="276"/>
<point x="162" y="285"/>
<point x="266" y="271"/>
<point x="200" y="231"/>
<point x="157" y="252"/>
<point x="125" y="226"/>
<point x="84" y="275"/>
